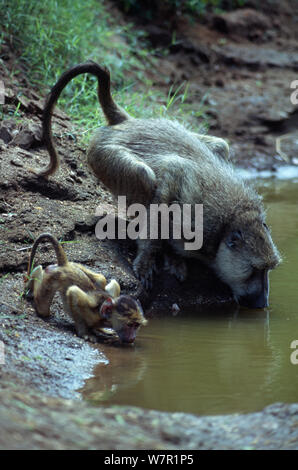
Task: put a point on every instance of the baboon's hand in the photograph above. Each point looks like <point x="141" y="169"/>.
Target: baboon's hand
<point x="83" y="332"/>
<point x="176" y="265"/>
<point x="91" y="338"/>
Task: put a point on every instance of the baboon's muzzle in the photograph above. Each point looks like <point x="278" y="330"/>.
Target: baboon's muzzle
<point x="258" y="297"/>
<point x="254" y="301"/>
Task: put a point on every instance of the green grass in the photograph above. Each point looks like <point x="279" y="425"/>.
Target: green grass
<point x="54" y="35"/>
<point x="51" y="36"/>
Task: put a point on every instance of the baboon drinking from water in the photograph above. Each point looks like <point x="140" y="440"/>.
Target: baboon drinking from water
<point x="159" y="161"/>
<point x="86" y="297"/>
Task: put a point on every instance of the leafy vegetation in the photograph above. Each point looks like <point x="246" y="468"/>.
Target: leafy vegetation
<point x="53" y="35"/>
<point x="50" y="36"/>
<point x="150" y="8"/>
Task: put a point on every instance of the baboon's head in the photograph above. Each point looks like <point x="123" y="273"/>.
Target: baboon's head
<point x="125" y="315"/>
<point x="244" y="258"/>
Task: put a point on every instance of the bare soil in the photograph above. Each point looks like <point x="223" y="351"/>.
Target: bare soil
<point x="245" y="62"/>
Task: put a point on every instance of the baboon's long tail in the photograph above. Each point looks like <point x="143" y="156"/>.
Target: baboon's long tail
<point x="61" y="256"/>
<point x="114" y="114"/>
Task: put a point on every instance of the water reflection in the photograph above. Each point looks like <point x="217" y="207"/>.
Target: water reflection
<point x="126" y="367"/>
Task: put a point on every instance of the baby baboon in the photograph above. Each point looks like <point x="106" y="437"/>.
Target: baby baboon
<point x="159" y="161"/>
<point x="86" y="298"/>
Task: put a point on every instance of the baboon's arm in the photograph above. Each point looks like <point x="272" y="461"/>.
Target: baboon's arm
<point x="144" y="265"/>
<point x="84" y="308"/>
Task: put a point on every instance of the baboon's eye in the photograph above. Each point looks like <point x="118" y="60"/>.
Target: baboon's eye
<point x="234" y="238"/>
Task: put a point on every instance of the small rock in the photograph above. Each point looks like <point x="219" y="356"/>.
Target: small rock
<point x="5" y="135"/>
<point x="29" y="135"/>
<point x="81" y="173"/>
<point x="16" y="162"/>
<point x="219" y="82"/>
<point x="175" y="309"/>
<point x="23" y="101"/>
<point x="36" y="106"/>
<point x="26" y="154"/>
<point x="86" y="225"/>
<point x="8" y="130"/>
<point x="8" y="93"/>
<point x="244" y="22"/>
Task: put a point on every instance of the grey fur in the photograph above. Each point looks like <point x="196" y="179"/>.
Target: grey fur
<point x="160" y="161"/>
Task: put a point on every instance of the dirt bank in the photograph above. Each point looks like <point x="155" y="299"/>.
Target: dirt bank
<point x="30" y="420"/>
<point x="240" y="65"/>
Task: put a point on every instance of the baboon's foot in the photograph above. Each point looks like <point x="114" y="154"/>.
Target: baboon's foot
<point x="90" y="337"/>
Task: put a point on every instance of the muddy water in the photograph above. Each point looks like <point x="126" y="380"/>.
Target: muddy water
<point x="217" y="361"/>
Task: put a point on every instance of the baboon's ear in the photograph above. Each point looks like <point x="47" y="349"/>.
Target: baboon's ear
<point x="107" y="308"/>
<point x="234" y="239"/>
